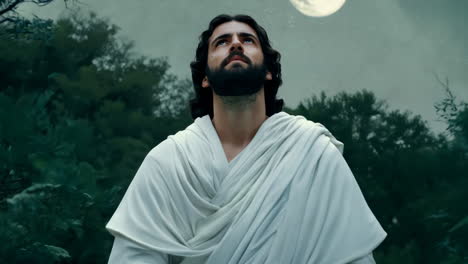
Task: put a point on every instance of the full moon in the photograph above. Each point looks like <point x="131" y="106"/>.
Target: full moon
<point x="317" y="8"/>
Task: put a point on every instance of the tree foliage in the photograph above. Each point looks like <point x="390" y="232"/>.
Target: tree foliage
<point x="414" y="181"/>
<point x="79" y="110"/>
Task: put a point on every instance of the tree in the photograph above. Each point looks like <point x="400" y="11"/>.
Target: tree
<point x="87" y="109"/>
<point x="455" y="115"/>
<point x="402" y="169"/>
<point x="8" y="8"/>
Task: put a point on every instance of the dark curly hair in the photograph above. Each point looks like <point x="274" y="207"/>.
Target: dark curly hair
<point x="202" y="104"/>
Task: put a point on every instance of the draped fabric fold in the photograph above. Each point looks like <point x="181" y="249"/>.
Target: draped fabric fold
<point x="287" y="197"/>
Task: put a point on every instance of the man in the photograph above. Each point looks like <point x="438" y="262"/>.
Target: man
<point x="246" y="182"/>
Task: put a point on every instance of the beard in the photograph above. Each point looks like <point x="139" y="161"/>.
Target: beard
<point x="237" y="81"/>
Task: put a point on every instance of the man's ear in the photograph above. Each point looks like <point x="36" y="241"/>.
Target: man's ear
<point x="268" y="76"/>
<point x="205" y="83"/>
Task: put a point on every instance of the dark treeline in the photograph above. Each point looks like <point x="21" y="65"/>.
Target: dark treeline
<point x="79" y="110"/>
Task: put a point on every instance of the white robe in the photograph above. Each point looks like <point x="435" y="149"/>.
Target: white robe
<point x="287" y="197"/>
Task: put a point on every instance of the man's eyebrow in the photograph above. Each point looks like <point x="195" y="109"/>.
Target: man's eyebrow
<point x="242" y="34"/>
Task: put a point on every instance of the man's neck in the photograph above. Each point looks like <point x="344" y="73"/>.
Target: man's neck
<point x="236" y="126"/>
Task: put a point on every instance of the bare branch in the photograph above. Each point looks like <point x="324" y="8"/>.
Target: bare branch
<point x="41" y="2"/>
<point x="7" y="19"/>
<point x="446" y="84"/>
<point x="7" y="10"/>
<point x="10" y="7"/>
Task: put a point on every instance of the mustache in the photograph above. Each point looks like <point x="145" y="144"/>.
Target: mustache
<point x="236" y="53"/>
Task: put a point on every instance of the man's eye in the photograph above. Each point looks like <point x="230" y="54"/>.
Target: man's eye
<point x="249" y="39"/>
<point x="219" y="42"/>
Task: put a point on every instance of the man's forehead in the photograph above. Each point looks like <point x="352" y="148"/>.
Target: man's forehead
<point x="232" y="27"/>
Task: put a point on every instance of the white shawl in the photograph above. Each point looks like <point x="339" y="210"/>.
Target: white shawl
<point x="288" y="197"/>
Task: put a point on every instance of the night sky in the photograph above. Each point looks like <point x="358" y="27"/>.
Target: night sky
<point x="395" y="48"/>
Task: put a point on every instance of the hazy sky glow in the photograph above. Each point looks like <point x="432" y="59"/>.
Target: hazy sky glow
<point x="392" y="48"/>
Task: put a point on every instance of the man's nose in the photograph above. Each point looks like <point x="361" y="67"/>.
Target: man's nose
<point x="236" y="44"/>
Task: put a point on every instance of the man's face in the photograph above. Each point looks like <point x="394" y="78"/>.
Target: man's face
<point x="235" y="61"/>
